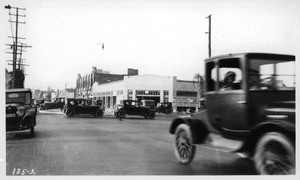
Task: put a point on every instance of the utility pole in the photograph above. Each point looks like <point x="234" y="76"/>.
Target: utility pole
<point x="15" y="44"/>
<point x="209" y="35"/>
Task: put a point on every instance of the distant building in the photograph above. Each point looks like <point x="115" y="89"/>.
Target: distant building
<point x="85" y="83"/>
<point x="67" y="93"/>
<point x="183" y="94"/>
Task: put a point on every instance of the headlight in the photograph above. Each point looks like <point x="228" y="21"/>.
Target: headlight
<point x="20" y="112"/>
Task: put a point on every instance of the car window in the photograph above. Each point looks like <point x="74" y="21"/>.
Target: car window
<point x="230" y="74"/>
<point x="211" y="76"/>
<point x="271" y="75"/>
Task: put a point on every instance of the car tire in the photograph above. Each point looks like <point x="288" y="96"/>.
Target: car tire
<point x="116" y="114"/>
<point x="32" y="131"/>
<point x="274" y="154"/>
<point x="122" y="114"/>
<point x="183" y="144"/>
<point x="70" y="112"/>
<point x="99" y="114"/>
<point x="151" y="115"/>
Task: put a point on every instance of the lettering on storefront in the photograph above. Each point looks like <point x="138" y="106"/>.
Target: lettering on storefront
<point x="185" y="101"/>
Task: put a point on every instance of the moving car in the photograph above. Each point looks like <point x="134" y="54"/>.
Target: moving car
<point x="253" y="116"/>
<point x="76" y="106"/>
<point x="133" y="107"/>
<point x="20" y="112"/>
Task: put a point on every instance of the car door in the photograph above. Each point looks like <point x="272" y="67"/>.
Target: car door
<point x="231" y="96"/>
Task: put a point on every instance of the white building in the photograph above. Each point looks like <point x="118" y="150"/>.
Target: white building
<point x="183" y="94"/>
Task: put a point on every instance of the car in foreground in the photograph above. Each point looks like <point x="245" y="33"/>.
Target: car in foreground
<point x="20" y="112"/>
<point x="250" y="110"/>
<point x="133" y="107"/>
<point x="76" y="106"/>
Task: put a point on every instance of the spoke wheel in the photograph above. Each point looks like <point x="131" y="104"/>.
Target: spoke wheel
<point x="183" y="145"/>
<point x="70" y="112"/>
<point x="275" y="155"/>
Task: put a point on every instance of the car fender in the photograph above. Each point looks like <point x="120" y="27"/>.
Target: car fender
<point x="257" y="131"/>
<point x="198" y="128"/>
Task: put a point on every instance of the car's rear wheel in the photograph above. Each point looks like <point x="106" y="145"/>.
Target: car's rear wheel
<point x="99" y="114"/>
<point x="183" y="144"/>
<point x="275" y="154"/>
<point x="70" y="112"/>
<point x="122" y="114"/>
<point x="151" y="115"/>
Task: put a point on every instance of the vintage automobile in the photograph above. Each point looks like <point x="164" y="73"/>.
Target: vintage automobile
<point x="75" y="106"/>
<point x="165" y="107"/>
<point x="59" y="103"/>
<point x="148" y="102"/>
<point x="20" y="112"/>
<point x="133" y="107"/>
<point x="254" y="118"/>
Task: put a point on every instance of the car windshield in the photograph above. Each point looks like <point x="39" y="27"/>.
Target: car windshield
<point x="18" y="97"/>
<point x="271" y="75"/>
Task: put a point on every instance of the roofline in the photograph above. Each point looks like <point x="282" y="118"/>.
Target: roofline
<point x="18" y="90"/>
<point x="246" y="54"/>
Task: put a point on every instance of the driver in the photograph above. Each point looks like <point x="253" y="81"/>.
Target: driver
<point x="229" y="81"/>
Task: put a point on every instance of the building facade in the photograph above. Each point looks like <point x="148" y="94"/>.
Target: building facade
<point x="183" y="94"/>
<point x="85" y="83"/>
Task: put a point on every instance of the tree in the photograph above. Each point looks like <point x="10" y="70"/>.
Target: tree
<point x="200" y="81"/>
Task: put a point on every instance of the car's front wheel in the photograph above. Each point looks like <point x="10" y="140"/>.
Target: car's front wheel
<point x="99" y="114"/>
<point x="275" y="154"/>
<point x="70" y="112"/>
<point x="183" y="144"/>
<point x="122" y="114"/>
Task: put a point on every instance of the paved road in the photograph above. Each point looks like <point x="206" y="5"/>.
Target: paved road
<point x="85" y="145"/>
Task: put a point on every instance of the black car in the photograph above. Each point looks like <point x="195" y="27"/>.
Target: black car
<point x="83" y="106"/>
<point x="165" y="107"/>
<point x="250" y="110"/>
<point x="57" y="104"/>
<point x="133" y="107"/>
<point x="20" y="112"/>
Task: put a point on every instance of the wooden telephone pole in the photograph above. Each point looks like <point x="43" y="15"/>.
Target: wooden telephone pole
<point x="16" y="46"/>
<point x="209" y="35"/>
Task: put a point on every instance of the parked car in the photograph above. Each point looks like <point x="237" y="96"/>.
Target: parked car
<point x="20" y="112"/>
<point x="254" y="115"/>
<point x="133" y="107"/>
<point x="82" y="106"/>
<point x="59" y="103"/>
<point x="165" y="107"/>
<point x="148" y="102"/>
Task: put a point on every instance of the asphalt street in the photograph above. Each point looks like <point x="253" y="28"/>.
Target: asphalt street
<point x="85" y="145"/>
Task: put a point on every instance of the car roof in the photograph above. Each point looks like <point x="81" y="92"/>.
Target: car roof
<point x="253" y="55"/>
<point x="19" y="90"/>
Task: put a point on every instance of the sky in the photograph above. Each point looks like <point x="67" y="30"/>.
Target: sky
<point x="161" y="37"/>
